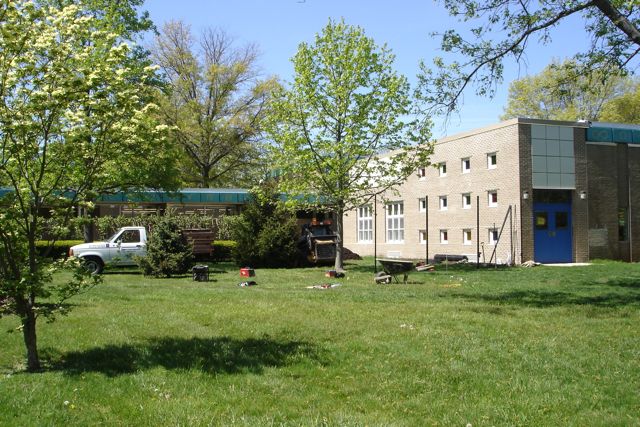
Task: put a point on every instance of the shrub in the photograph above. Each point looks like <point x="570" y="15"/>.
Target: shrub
<point x="168" y="252"/>
<point x="223" y="249"/>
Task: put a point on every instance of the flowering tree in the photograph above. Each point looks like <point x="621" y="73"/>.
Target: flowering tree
<point x="72" y="116"/>
<point x="344" y="130"/>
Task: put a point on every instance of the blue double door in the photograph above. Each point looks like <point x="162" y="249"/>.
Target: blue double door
<point x="553" y="236"/>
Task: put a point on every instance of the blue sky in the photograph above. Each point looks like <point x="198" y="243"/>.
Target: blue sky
<point x="278" y="26"/>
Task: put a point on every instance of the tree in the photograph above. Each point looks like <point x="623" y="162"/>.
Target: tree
<point x="71" y="111"/>
<point x="560" y="93"/>
<point x="623" y="109"/>
<point x="506" y="28"/>
<point x="146" y="164"/>
<point x="345" y="108"/>
<point x="215" y="102"/>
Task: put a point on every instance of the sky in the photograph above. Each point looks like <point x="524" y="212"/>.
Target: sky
<point x="277" y="27"/>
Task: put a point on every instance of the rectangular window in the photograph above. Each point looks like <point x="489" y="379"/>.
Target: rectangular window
<point x="365" y="224"/>
<point x="443" y="203"/>
<point x="466" y="165"/>
<point x="444" y="237"/>
<point x="442" y="169"/>
<point x="422" y="237"/>
<point x="493" y="236"/>
<point x="467" y="236"/>
<point x="422" y="203"/>
<point x="492" y="160"/>
<point x="623" y="224"/>
<point x="422" y="173"/>
<point x="562" y="220"/>
<point x="493" y="198"/>
<point x="541" y="221"/>
<point x="395" y="222"/>
<point x="466" y="201"/>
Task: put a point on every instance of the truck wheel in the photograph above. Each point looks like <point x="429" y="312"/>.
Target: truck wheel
<point x="94" y="265"/>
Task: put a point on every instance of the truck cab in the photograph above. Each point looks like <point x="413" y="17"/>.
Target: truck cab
<point x="118" y="249"/>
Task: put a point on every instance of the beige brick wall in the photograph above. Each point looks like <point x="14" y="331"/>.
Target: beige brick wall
<point x="502" y="139"/>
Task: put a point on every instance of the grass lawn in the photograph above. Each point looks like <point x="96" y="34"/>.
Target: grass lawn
<point x="541" y="346"/>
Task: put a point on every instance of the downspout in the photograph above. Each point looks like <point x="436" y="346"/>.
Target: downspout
<point x="375" y="233"/>
<point x="629" y="210"/>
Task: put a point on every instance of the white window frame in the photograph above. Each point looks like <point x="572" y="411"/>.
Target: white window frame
<point x="365" y="224"/>
<point x="466" y="205"/>
<point x="490" y="202"/>
<point x="491" y="165"/>
<point x="422" y="237"/>
<point x="443" y="203"/>
<point x="422" y="204"/>
<point x="422" y="173"/>
<point x="442" y="169"/>
<point x="467" y="236"/>
<point x="493" y="236"/>
<point x="465" y="164"/>
<point x="444" y="237"/>
<point x="395" y="222"/>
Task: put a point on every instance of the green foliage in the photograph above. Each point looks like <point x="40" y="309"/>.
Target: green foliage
<point x="74" y="115"/>
<point x="623" y="109"/>
<point x="214" y="104"/>
<point x="168" y="251"/>
<point x="501" y="30"/>
<point x="108" y="225"/>
<point x="266" y="235"/>
<point x="223" y="249"/>
<point x="226" y="225"/>
<point x="59" y="249"/>
<point x="334" y="126"/>
<point x="561" y="92"/>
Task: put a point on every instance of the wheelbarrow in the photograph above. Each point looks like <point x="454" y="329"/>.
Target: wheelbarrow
<point x="392" y="268"/>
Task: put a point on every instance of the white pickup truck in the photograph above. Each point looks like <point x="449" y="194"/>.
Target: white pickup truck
<point x="118" y="249"/>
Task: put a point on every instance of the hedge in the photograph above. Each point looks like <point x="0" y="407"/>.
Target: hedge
<point x="60" y="248"/>
<point x="222" y="249"/>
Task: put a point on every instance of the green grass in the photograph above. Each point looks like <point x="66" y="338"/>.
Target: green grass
<point x="541" y="346"/>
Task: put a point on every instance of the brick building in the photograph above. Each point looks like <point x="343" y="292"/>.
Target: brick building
<point x="519" y="190"/>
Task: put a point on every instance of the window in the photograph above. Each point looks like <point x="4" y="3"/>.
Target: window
<point x="422" y="173"/>
<point x="422" y="203"/>
<point x="493" y="198"/>
<point x="365" y="224"/>
<point x="466" y="201"/>
<point x="623" y="224"/>
<point x="443" y="203"/>
<point x="492" y="160"/>
<point x="395" y="222"/>
<point x="467" y="238"/>
<point x="130" y="236"/>
<point x="466" y="165"/>
<point x="442" y="169"/>
<point x="422" y="237"/>
<point x="541" y="221"/>
<point x="562" y="220"/>
<point x="493" y="236"/>
<point x="444" y="237"/>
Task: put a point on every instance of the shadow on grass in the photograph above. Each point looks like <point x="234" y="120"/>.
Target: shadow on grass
<point x="545" y="299"/>
<point x="210" y="355"/>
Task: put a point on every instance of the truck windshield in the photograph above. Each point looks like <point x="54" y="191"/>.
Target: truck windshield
<point x="113" y="236"/>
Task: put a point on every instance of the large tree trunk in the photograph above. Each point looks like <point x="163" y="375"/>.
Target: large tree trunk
<point x="339" y="265"/>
